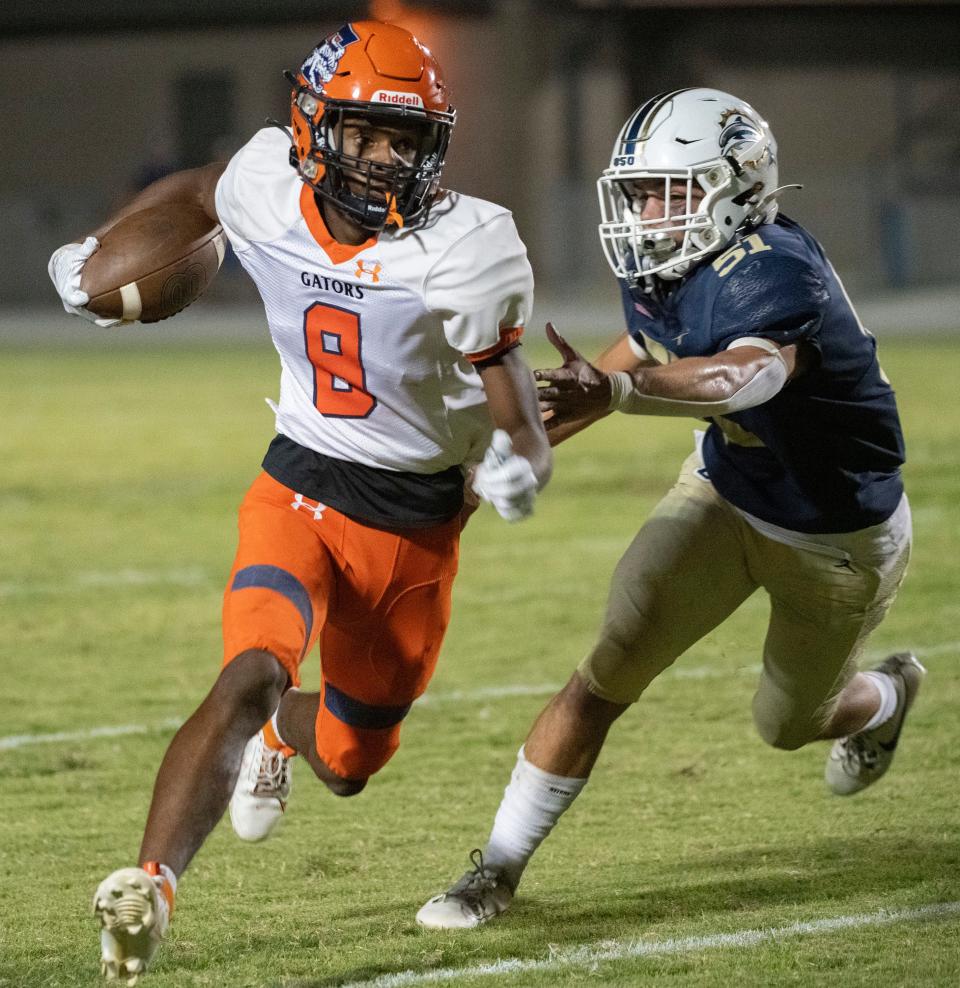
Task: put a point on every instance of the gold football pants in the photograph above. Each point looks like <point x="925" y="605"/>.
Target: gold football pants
<point x="697" y="558"/>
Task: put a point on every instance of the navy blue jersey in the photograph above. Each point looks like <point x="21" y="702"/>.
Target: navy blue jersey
<point x="824" y="454"/>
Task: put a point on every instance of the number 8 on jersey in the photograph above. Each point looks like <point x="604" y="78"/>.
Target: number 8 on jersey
<point x="332" y="339"/>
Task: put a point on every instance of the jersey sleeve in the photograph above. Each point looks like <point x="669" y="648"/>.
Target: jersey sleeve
<point x="482" y="287"/>
<point x="778" y="298"/>
<point x="257" y="195"/>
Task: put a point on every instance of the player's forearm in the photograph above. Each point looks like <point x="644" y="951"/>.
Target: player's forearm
<point x="559" y="430"/>
<point x="194" y="185"/>
<point x="530" y="441"/>
<point x="703" y="386"/>
<point x="693" y="379"/>
<point x="512" y="400"/>
<point x="620" y="356"/>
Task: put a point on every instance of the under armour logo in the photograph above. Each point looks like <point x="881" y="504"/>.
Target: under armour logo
<point x="299" y="501"/>
<point x="374" y="270"/>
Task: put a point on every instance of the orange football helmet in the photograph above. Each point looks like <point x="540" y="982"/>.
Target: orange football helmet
<point x="381" y="72"/>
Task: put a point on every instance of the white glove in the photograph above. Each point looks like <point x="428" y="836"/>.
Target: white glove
<point x="505" y="479"/>
<point x="66" y="264"/>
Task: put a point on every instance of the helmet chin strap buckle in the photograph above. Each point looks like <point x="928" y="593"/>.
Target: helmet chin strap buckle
<point x="657" y="246"/>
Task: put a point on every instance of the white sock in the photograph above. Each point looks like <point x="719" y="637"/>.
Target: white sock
<point x="273" y="720"/>
<point x="276" y="729"/>
<point x="532" y="803"/>
<point x="888" y="699"/>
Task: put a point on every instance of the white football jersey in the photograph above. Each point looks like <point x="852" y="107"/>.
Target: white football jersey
<point x="376" y="341"/>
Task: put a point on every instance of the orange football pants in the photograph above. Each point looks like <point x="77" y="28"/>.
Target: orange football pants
<point x="378" y="603"/>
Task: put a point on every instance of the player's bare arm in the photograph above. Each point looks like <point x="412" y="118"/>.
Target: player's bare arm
<point x="512" y="399"/>
<point x="736" y="378"/>
<point x="195" y="186"/>
<point x="192" y="188"/>
<point x="620" y="356"/>
<point x="518" y="462"/>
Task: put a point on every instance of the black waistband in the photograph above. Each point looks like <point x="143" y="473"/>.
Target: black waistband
<point x="382" y="498"/>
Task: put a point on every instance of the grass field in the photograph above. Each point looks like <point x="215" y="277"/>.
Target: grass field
<point x="122" y="472"/>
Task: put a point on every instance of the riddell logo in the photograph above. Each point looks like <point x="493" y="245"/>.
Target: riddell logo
<point x="400" y="99"/>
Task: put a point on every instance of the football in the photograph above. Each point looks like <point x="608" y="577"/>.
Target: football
<point x="153" y="263"/>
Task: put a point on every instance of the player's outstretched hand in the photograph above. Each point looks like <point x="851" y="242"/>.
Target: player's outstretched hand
<point x="575" y="390"/>
<point x="506" y="479"/>
<point x="65" y="268"/>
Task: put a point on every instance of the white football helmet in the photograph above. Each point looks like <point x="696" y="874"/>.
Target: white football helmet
<point x="691" y="138"/>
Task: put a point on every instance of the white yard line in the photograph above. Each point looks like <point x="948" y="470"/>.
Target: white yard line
<point x="430" y="699"/>
<point x="488" y="693"/>
<point x="120" y="730"/>
<point x="86" y="580"/>
<point x="941" y="649"/>
<point x="617" y="950"/>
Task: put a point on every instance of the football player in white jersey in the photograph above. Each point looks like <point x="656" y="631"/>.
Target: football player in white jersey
<point x="396" y="308"/>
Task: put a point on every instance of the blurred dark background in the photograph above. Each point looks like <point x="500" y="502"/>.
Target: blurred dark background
<point x="101" y="96"/>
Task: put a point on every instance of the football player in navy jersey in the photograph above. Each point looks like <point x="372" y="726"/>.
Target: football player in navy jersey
<point x="735" y="316"/>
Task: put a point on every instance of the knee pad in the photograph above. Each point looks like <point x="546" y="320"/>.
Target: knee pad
<point x="615" y="672"/>
<point x="785" y="729"/>
<point x="267" y="608"/>
<point x="356" y="739"/>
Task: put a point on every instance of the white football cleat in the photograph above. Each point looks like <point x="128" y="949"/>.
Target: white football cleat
<point x="480" y="895"/>
<point x="262" y="790"/>
<point x="134" y="916"/>
<point x="857" y="761"/>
